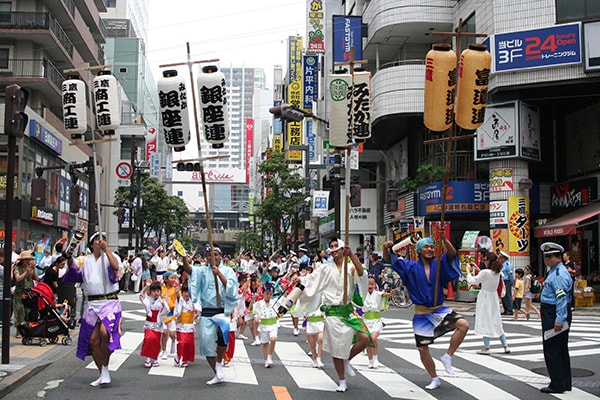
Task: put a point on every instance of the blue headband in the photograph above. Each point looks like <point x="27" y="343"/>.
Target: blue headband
<point x="423" y="242"/>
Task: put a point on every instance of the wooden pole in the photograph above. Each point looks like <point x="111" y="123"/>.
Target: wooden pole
<point x="190" y="64"/>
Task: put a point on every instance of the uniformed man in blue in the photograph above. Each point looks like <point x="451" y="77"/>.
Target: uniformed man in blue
<point x="555" y="302"/>
<point x="431" y="320"/>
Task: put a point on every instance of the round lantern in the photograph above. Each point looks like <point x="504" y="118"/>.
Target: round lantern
<point x="108" y="104"/>
<point x="473" y="81"/>
<point x="213" y="106"/>
<point x="440" y="86"/>
<point x="173" y="101"/>
<point x="74" y="95"/>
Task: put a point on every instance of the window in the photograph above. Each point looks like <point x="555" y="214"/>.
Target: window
<point x="468" y="26"/>
<point x="573" y="10"/>
<point x="5" y="9"/>
<point x="4" y="53"/>
<point x="180" y="193"/>
<point x="111" y="3"/>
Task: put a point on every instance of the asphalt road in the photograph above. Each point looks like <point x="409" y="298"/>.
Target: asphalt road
<point x="501" y="376"/>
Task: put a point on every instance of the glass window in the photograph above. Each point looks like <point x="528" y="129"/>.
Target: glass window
<point x="4" y="54"/>
<point x="468" y="26"/>
<point x="570" y="9"/>
<point x="5" y="9"/>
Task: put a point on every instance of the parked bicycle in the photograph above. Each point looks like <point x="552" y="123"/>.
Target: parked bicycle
<point x="391" y="280"/>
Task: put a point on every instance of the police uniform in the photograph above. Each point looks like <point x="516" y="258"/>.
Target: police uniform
<point x="555" y="307"/>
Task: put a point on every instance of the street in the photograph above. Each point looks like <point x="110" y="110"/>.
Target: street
<point x="496" y="376"/>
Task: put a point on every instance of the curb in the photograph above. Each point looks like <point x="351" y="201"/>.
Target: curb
<point x="17" y="378"/>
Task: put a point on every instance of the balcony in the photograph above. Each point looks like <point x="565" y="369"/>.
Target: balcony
<point x="41" y="28"/>
<point x="398" y="88"/>
<point x="41" y="73"/>
<point x="401" y="29"/>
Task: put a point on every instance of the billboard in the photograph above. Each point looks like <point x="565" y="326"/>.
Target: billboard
<point x="294" y="129"/>
<point x="347" y="33"/>
<point x="315" y="26"/>
<point x="546" y="47"/>
<point x="462" y="197"/>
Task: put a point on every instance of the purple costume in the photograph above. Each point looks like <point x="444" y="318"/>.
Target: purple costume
<point x="101" y="285"/>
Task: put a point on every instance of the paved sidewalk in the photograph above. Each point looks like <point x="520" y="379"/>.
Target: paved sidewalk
<point x="26" y="361"/>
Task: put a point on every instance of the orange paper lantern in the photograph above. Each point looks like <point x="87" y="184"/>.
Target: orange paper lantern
<point x="473" y="81"/>
<point x="440" y="86"/>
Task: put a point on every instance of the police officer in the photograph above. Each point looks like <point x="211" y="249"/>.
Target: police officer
<point x="555" y="302"/>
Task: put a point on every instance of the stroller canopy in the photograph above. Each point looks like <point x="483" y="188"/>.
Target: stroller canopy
<point x="46" y="295"/>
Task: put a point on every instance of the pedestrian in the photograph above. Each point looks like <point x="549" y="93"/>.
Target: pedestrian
<point x="169" y="292"/>
<point x="265" y="318"/>
<point x="185" y="313"/>
<point x="488" y="322"/>
<point x="207" y="285"/>
<point x="432" y="319"/>
<point x="24" y="274"/>
<point x="100" y="331"/>
<point x="518" y="293"/>
<point x="51" y="275"/>
<point x="529" y="295"/>
<point x="136" y="271"/>
<point x="156" y="311"/>
<point x="556" y="313"/>
<point x="374" y="302"/>
<point x="376" y="268"/>
<point x="342" y="323"/>
<point x="509" y="279"/>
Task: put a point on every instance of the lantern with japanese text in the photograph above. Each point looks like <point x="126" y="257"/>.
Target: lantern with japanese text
<point x="361" y="106"/>
<point x="474" y="77"/>
<point x="440" y="87"/>
<point x="339" y="118"/>
<point x="173" y="101"/>
<point x="108" y="103"/>
<point x="213" y="105"/>
<point x="74" y="100"/>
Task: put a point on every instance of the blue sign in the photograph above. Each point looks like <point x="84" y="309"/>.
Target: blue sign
<point x="347" y="32"/>
<point x="556" y="45"/>
<point x="462" y="197"/>
<point x="37" y="131"/>
<point x="311" y="139"/>
<point x="310" y="76"/>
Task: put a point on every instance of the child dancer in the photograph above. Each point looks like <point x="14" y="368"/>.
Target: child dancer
<point x="518" y="292"/>
<point x="373" y="304"/>
<point x="265" y="318"/>
<point x="156" y="309"/>
<point x="240" y="310"/>
<point x="185" y="312"/>
<point x="169" y="293"/>
<point x="253" y="295"/>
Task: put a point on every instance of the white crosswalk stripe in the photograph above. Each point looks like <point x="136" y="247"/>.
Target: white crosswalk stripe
<point x="471" y="380"/>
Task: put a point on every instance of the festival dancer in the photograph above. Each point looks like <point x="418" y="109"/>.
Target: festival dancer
<point x="373" y="303"/>
<point x="265" y="319"/>
<point x="431" y="320"/>
<point x="156" y="311"/>
<point x="341" y="322"/>
<point x="170" y="294"/>
<point x="185" y="312"/>
<point x="100" y="332"/>
<point x="214" y="321"/>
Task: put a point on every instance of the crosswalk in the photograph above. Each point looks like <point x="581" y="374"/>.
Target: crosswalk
<point x="478" y="376"/>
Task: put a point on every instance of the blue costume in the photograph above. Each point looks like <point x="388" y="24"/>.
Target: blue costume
<point x="429" y="321"/>
<point x="214" y="321"/>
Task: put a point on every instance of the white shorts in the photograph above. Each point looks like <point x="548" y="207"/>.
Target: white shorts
<point x="171" y="326"/>
<point x="265" y="336"/>
<point x="374" y="325"/>
<point x="337" y="338"/>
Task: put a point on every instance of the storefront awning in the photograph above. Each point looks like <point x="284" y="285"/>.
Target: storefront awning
<point x="568" y="223"/>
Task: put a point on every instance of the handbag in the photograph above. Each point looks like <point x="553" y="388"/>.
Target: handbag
<point x="135" y="277"/>
<point x="501" y="289"/>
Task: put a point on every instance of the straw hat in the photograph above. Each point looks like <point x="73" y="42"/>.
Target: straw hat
<point x="25" y="255"/>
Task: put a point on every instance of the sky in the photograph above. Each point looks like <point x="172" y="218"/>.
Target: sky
<point x="237" y="32"/>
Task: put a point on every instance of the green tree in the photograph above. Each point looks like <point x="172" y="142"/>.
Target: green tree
<point x="426" y="173"/>
<point x="158" y="212"/>
<point x="285" y="194"/>
<point x="249" y="240"/>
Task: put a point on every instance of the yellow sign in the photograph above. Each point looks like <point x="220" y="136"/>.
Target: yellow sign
<point x="278" y="142"/>
<point x="519" y="225"/>
<point x="294" y="129"/>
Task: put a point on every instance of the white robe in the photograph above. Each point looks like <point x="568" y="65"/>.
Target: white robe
<point x="488" y="321"/>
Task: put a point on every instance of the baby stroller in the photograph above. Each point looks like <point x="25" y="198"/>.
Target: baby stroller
<point x="43" y="319"/>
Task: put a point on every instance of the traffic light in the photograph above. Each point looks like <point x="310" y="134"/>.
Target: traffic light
<point x="355" y="195"/>
<point x="38" y="192"/>
<point x="287" y="113"/>
<point x="15" y="119"/>
<point x="75" y="199"/>
<point x="391" y="199"/>
<point x="189" y="167"/>
<point x="121" y="215"/>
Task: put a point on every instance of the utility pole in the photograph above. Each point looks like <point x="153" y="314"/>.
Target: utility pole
<point x="132" y="194"/>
